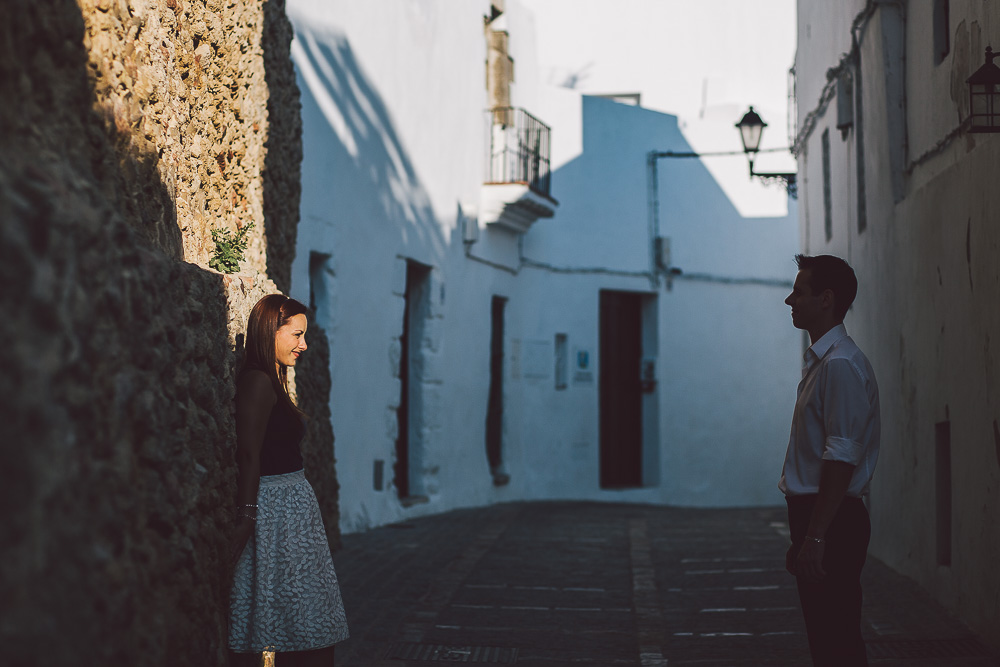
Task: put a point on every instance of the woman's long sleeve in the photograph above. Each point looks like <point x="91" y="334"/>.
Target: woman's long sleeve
<point x="255" y="398"/>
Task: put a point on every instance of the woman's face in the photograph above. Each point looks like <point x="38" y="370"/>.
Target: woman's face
<point x="290" y="341"/>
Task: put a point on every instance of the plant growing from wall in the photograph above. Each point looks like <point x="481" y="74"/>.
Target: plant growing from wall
<point x="229" y="249"/>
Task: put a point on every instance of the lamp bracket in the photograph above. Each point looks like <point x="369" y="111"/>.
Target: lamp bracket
<point x="788" y="181"/>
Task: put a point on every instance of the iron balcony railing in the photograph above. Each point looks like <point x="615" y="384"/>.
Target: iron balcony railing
<point x="519" y="146"/>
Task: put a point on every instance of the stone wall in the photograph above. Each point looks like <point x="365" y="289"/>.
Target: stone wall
<point x="130" y="130"/>
<point x="313" y="383"/>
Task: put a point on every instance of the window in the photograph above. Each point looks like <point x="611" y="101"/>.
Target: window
<point x="942" y="484"/>
<point x="859" y="147"/>
<point x="942" y="30"/>
<point x="845" y="102"/>
<point x="320" y="278"/>
<point x="827" y="197"/>
<point x="562" y="361"/>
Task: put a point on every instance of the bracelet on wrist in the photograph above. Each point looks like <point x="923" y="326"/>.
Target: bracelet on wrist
<point x="817" y="540"/>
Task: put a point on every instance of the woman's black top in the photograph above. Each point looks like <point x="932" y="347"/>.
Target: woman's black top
<point x="280" y="452"/>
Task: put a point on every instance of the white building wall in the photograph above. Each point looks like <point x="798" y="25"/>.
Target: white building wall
<point x="926" y="311"/>
<point x="728" y="357"/>
<point x="393" y="99"/>
<point x="393" y="129"/>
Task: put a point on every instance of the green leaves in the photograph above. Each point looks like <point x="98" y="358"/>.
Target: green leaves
<point x="229" y="249"/>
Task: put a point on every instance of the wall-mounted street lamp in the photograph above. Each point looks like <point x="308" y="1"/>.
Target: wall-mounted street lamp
<point x="984" y="96"/>
<point x="751" y="127"/>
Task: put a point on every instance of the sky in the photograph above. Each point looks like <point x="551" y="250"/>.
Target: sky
<point x="705" y="61"/>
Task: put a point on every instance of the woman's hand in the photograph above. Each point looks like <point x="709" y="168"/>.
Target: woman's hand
<point x="244" y="529"/>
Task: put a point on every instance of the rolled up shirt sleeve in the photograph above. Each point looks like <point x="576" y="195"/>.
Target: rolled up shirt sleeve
<point x="846" y="411"/>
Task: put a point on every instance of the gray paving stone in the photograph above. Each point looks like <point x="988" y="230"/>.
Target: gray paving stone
<point x="602" y="585"/>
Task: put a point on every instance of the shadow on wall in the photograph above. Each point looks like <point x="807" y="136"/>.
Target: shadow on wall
<point x="117" y="387"/>
<point x="363" y="155"/>
<point x="282" y="191"/>
<point x="282" y="175"/>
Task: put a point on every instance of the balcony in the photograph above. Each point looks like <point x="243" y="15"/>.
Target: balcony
<point x="516" y="191"/>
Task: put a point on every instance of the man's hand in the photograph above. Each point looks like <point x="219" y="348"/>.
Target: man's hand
<point x="809" y="562"/>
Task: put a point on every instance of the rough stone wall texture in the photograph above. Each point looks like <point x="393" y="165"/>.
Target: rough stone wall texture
<point x="130" y="129"/>
<point x="313" y="382"/>
<point x="282" y="185"/>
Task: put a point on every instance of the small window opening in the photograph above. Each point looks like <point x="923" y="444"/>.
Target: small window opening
<point x="827" y="196"/>
<point x="845" y="103"/>
<point x="320" y="275"/>
<point x="942" y="30"/>
<point x="942" y="484"/>
<point x="562" y="361"/>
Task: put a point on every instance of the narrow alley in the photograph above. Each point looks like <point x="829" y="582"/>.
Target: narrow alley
<point x="558" y="584"/>
<point x="554" y="269"/>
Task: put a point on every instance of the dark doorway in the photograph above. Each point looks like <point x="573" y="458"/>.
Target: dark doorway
<point x="494" y="407"/>
<point x="620" y="389"/>
<point x="406" y="471"/>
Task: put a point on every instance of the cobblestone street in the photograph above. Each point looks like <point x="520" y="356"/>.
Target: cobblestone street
<point x="558" y="584"/>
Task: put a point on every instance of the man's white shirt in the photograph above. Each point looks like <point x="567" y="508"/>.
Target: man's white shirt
<point x="836" y="416"/>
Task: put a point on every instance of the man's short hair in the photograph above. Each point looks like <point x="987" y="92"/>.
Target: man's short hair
<point x="827" y="272"/>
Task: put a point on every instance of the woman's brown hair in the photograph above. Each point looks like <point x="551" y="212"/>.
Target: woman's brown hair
<point x="270" y="314"/>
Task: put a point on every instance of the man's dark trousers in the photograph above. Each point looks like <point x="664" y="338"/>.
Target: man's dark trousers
<point x="832" y="607"/>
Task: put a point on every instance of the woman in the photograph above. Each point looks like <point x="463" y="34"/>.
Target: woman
<point x="285" y="595"/>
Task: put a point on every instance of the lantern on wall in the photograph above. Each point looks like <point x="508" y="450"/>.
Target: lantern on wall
<point x="984" y="96"/>
<point x="751" y="127"/>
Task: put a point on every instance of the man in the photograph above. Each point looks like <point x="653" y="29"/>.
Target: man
<point x="831" y="455"/>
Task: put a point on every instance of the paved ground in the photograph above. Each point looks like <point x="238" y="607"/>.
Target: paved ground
<point x="583" y="584"/>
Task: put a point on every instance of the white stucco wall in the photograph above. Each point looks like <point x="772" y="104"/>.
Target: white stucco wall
<point x="926" y="311"/>
<point x="393" y="100"/>
<point x="728" y="357"/>
<point x="392" y="120"/>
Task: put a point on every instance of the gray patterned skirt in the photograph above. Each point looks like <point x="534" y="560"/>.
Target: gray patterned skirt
<point x="285" y="593"/>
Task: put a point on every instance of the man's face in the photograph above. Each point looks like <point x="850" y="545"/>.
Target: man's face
<point x="807" y="308"/>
